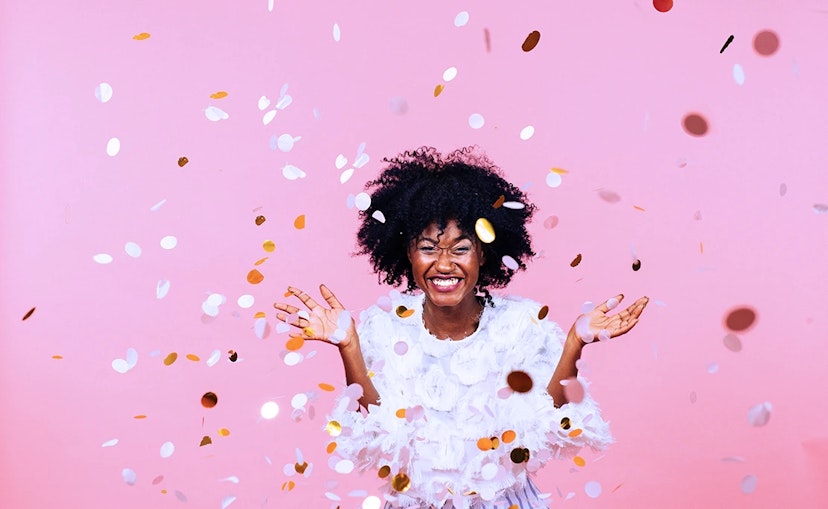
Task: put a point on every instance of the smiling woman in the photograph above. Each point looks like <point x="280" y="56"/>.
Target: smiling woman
<point x="445" y="378"/>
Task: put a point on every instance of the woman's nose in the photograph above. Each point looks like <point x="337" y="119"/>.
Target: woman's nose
<point x="444" y="260"/>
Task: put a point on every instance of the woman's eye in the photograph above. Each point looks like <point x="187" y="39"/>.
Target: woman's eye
<point x="427" y="249"/>
<point x="461" y="250"/>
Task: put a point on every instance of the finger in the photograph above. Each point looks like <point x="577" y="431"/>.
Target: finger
<point x="639" y="305"/>
<point x="297" y="322"/>
<point x="291" y="310"/>
<point x="610" y="303"/>
<point x="304" y="297"/>
<point x="330" y="298"/>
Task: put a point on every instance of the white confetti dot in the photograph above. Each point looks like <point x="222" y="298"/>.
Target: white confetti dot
<point x="226" y="501"/>
<point x="337" y="33"/>
<point x="209" y="309"/>
<point x="292" y="172"/>
<point x="449" y="74"/>
<point x="371" y="502"/>
<point x="246" y="301"/>
<point x="169" y="242"/>
<point x="270" y="410"/>
<point x="120" y="365"/>
<point x="341" y="161"/>
<point x="350" y="201"/>
<point x="738" y="74"/>
<point x="510" y="262"/>
<point x="346" y="175"/>
<point x="102" y="258"/>
<point x="113" y="146"/>
<point x="361" y="160"/>
<point x="215" y="113"/>
<point x="214" y="358"/>
<point x="344" y="466"/>
<point x="233" y="479"/>
<point x="293" y="358"/>
<point x="461" y="19"/>
<point x="103" y="92"/>
<point x="268" y="117"/>
<point x="129" y="476"/>
<point x="379" y="216"/>
<point x="759" y="415"/>
<point x="216" y="299"/>
<point x="285" y="142"/>
<point x="167" y="449"/>
<point x="553" y="179"/>
<point x="158" y="205"/>
<point x="299" y="400"/>
<point x="527" y="132"/>
<point x="132" y="249"/>
<point x="593" y="489"/>
<point x="476" y="121"/>
<point x="748" y="484"/>
<point x="110" y="443"/>
<point x="264" y="102"/>
<point x="362" y="201"/>
<point x="489" y="471"/>
<point x="820" y="208"/>
<point x="514" y="205"/>
<point x="162" y="288"/>
<point x="180" y="496"/>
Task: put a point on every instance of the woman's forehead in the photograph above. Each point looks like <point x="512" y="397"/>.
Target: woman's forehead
<point x="451" y="231"/>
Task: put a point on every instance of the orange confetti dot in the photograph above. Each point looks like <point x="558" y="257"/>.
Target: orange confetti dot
<point x="575" y="432"/>
<point x="260" y="314"/>
<point x="299" y="222"/>
<point x="636" y="207"/>
<point x="193" y="357"/>
<point x="404" y="312"/>
<point x="28" y="313"/>
<point x="269" y="246"/>
<point x="484" y="444"/>
<point x="295" y="343"/>
<point x="400" y="413"/>
<point x="701" y="247"/>
<point x="327" y="387"/>
<point x="163" y="492"/>
<point x="531" y="41"/>
<point x="331" y="448"/>
<point x="140" y="416"/>
<point x="439" y="89"/>
<point x="579" y="461"/>
<point x="508" y="436"/>
<point x="559" y="171"/>
<point x="261" y="261"/>
<point x="255" y="277"/>
<point x="499" y="202"/>
<point x="170" y="359"/>
<point x="221" y="94"/>
<point x="289" y="485"/>
<point x="224" y="432"/>
<point x="182" y="161"/>
<point x="544" y="310"/>
<point x="576" y="261"/>
<point x="142" y="36"/>
<point x="57" y="357"/>
<point x="384" y="471"/>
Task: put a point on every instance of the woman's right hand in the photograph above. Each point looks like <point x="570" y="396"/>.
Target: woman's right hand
<point x="332" y="325"/>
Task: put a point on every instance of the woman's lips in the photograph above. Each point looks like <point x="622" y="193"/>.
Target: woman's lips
<point x="445" y="284"/>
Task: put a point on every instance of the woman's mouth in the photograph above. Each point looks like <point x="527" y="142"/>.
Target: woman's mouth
<point x="445" y="284"/>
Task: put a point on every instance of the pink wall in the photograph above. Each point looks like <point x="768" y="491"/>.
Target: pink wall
<point x="734" y="218"/>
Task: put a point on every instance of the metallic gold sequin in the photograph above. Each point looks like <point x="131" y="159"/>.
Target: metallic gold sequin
<point x="439" y="89"/>
<point x="333" y="428"/>
<point x="576" y="261"/>
<point x="499" y="202"/>
<point x="401" y="482"/>
<point x="543" y="312"/>
<point x="209" y="400"/>
<point x="384" y="471"/>
<point x="484" y="230"/>
<point x="404" y="312"/>
<point x="260" y="220"/>
<point x="566" y="423"/>
<point x="182" y="161"/>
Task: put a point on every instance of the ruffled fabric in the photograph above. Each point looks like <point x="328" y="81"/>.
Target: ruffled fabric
<point x="440" y="398"/>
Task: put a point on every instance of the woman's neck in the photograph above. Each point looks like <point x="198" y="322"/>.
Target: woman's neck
<point x="452" y="323"/>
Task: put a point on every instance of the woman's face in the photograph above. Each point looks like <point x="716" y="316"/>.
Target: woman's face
<point x="446" y="266"/>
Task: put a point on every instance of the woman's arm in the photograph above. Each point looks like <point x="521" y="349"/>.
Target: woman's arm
<point x="566" y="368"/>
<point x="356" y="372"/>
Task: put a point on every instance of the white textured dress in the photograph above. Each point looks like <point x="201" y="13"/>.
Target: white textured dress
<point x="449" y="431"/>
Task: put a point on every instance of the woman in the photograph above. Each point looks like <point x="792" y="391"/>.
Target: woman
<point x="462" y="393"/>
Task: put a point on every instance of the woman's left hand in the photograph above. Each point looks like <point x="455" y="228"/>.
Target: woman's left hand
<point x="598" y="325"/>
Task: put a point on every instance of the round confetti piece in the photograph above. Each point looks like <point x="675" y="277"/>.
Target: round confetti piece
<point x="748" y="484"/>
<point x="141" y="37"/>
<point x="28" y="314"/>
<point x="438" y="89"/>
<point x="400" y="348"/>
<point x="484" y="444"/>
<point x="269" y="246"/>
<point x="739" y="319"/>
<point x="400" y="482"/>
<point x="215" y="114"/>
<point x="167" y="449"/>
<point x="476" y="121"/>
<point x="508" y="436"/>
<point x="233" y="356"/>
<point x="488" y="471"/>
<point x="193" y="357"/>
<point x="510" y="262"/>
<point x="694" y="124"/>
<point x="575" y="432"/>
<point x="299" y="400"/>
<point x="449" y="74"/>
<point x="269" y="410"/>
<point x="400" y="413"/>
<point x="169" y="242"/>
<point x="550" y="222"/>
<point x="759" y="415"/>
<point x="519" y="455"/>
<point x="527" y="132"/>
<point x="371" y="502"/>
<point x="362" y="201"/>
<point x="733" y="343"/>
<point x="384" y="471"/>
<point x="404" y="312"/>
<point x="576" y="261"/>
<point x="295" y="343"/>
<point x="299" y="222"/>
<point x="519" y="381"/>
<point x="255" y="277"/>
<point x="129" y="476"/>
<point x="663" y="5"/>
<point x="553" y="179"/>
<point x="636" y="265"/>
<point x="499" y="202"/>
<point x="113" y="146"/>
<point x="103" y="92"/>
<point x="209" y="400"/>
<point x="246" y="301"/>
<point x="293" y="358"/>
<point x="484" y="230"/>
<point x="169" y="359"/>
<point x="285" y="142"/>
<point x="531" y="41"/>
<point x="331" y="448"/>
<point x="260" y="220"/>
<point x="132" y="249"/>
<point x="566" y="423"/>
<point x="461" y="19"/>
<point x="766" y="43"/>
<point x="333" y="428"/>
<point x="182" y="161"/>
<point x="579" y="461"/>
<point x="224" y="432"/>
<point x="593" y="489"/>
<point x="292" y="172"/>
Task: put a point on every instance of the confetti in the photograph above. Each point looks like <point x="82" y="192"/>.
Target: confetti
<point x="295" y="343"/>
<point x="260" y="220"/>
<point x="292" y="172"/>
<point x="514" y="205"/>
<point x="226" y="501"/>
<point x="740" y="319"/>
<point x="28" y="314"/>
<point x="527" y="132"/>
<point x="510" y="262"/>
<point x="726" y="44"/>
<point x="531" y="41"/>
<point x="299" y="222"/>
<point x="401" y="482"/>
<point x="566" y="423"/>
<point x="404" y="312"/>
<point x="170" y="359"/>
<point x="209" y="400"/>
<point x="733" y="343"/>
<point x="132" y="249"/>
<point x="575" y="432"/>
<point x="255" y="277"/>
<point x="103" y="92"/>
<point x="344" y="466"/>
<point x="694" y="124"/>
<point x="449" y="74"/>
<point x="759" y="415"/>
<point x="110" y="443"/>
<point x="379" y="216"/>
<point x="384" y="471"/>
<point x="221" y="94"/>
<point x="224" y="432"/>
<point x="141" y="37"/>
<point x="609" y="196"/>
<point x="519" y="381"/>
<point x="499" y="202"/>
<point x="333" y="428"/>
<point x="269" y="410"/>
<point x="461" y="19"/>
<point x="215" y="114"/>
<point x="636" y="264"/>
<point x="439" y="89"/>
<point x="129" y="476"/>
<point x="766" y="43"/>
<point x="748" y="484"/>
<point x="167" y="449"/>
<point x="576" y="261"/>
<point x="113" y="146"/>
<point x="663" y="5"/>
<point x="331" y="448"/>
<point x="484" y="230"/>
<point x="205" y="440"/>
<point x="519" y="455"/>
<point x="553" y="179"/>
<point x="58" y="357"/>
<point x="371" y="502"/>
<point x="139" y="416"/>
<point x="476" y="121"/>
<point x="337" y="32"/>
<point x="593" y="488"/>
<point x="508" y="436"/>
<point x="169" y="242"/>
<point x="550" y="222"/>
<point x="362" y="201"/>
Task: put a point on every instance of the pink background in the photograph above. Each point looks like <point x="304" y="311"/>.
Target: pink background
<point x="730" y="219"/>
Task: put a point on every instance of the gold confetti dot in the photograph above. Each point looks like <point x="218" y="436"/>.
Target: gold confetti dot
<point x="260" y="314"/>
<point x="404" y="312"/>
<point x="439" y="89"/>
<point x="519" y="455"/>
<point x="514" y="506"/>
<point x="636" y="207"/>
<point x="221" y="94"/>
<point x="484" y="230"/>
<point x="261" y="261"/>
<point x="57" y="357"/>
<point x="576" y="261"/>
<point x="295" y="343"/>
<point x="224" y="432"/>
<point x="575" y="432"/>
<point x="566" y="423"/>
<point x="234" y="356"/>
<point x="309" y="332"/>
<point x="327" y="387"/>
<point x="209" y="400"/>
<point x="300" y="467"/>
<point x="333" y="428"/>
<point x="288" y="485"/>
<point x="499" y="202"/>
<point x="400" y="413"/>
<point x="142" y="36"/>
<point x="260" y="220"/>
<point x="193" y="357"/>
<point x="331" y="448"/>
<point x="168" y="360"/>
<point x="269" y="246"/>
<point x="205" y="440"/>
<point x="163" y="492"/>
<point x="519" y="381"/>
<point x="299" y="222"/>
<point x="559" y="171"/>
<point x="531" y="41"/>
<point x="255" y="277"/>
<point x="140" y="416"/>
<point x="28" y="313"/>
<point x="495" y="443"/>
<point x="543" y="312"/>
<point x="579" y="461"/>
<point x="400" y="482"/>
<point x="484" y="444"/>
<point x="508" y="436"/>
<point x="384" y="471"/>
<point x="182" y="161"/>
<point x="636" y="265"/>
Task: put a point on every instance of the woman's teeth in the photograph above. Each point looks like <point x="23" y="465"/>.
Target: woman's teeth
<point x="445" y="282"/>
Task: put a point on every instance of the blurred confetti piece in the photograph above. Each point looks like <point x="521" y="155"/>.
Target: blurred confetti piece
<point x="759" y="415"/>
<point x="233" y="479"/>
<point x="527" y="132"/>
<point x="553" y="179"/>
<point x="129" y="476"/>
<point x="820" y="208"/>
<point x="663" y="5"/>
<point x="221" y="94"/>
<point x="170" y="359"/>
<point x="113" y="146"/>
<point x="158" y="479"/>
<point x="337" y="32"/>
<point x="766" y="43"/>
<point x="255" y="277"/>
<point x="158" y="205"/>
<point x="694" y="124"/>
<point x="640" y="209"/>
<point x="733" y="343"/>
<point x="260" y="261"/>
<point x="438" y="89"/>
<point x="162" y="288"/>
<point x="531" y="41"/>
<point x="510" y="262"/>
<point x="636" y="264"/>
<point x="226" y="501"/>
<point x="269" y="410"/>
<point x="519" y="381"/>
<point x="371" y="502"/>
<point x="169" y="242"/>
<point x="214" y="358"/>
<point x="738" y="74"/>
<point x="103" y="92"/>
<point x="293" y="358"/>
<point x="344" y="466"/>
<point x="291" y="172"/>
<point x="214" y="113"/>
<point x="327" y="387"/>
<point x="783" y="190"/>
<point x="593" y="489"/>
<point x="28" y="314"/>
<point x="299" y="222"/>
<point x="180" y="496"/>
<point x="193" y="357"/>
<point x="167" y="449"/>
<point x="449" y="74"/>
<point x="484" y="230"/>
<point x="609" y="196"/>
<point x="269" y="246"/>
<point x="579" y="461"/>
<point x="288" y="485"/>
<point x="476" y="121"/>
<point x="58" y="357"/>
<point x="205" y="440"/>
<point x="740" y="318"/>
<point x="333" y="428"/>
<point x="139" y="416"/>
<point x="461" y="19"/>
<point x="268" y="117"/>
<point x="224" y="432"/>
<point x="295" y="343"/>
<point x="550" y="222"/>
<point x="362" y="201"/>
<point x="110" y="443"/>
<point x="141" y="37"/>
<point x="576" y="261"/>
<point x="748" y="484"/>
<point x="132" y="249"/>
<point x="286" y="142"/>
<point x="573" y="390"/>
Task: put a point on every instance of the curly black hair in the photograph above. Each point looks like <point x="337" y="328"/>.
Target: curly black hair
<point x="421" y="187"/>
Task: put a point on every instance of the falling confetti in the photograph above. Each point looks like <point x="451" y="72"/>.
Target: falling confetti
<point x="694" y="124"/>
<point x="28" y="314"/>
<point x="209" y="400"/>
<point x="260" y="220"/>
<point x="221" y="94"/>
<point x="129" y="476"/>
<point x="270" y="410"/>
<point x="141" y="37"/>
<point x="215" y="114"/>
<point x="531" y="41"/>
<point x="550" y="222"/>
<point x="400" y="482"/>
<point x="476" y="121"/>
<point x="461" y="19"/>
<point x="748" y="484"/>
<point x="576" y="261"/>
<point x="740" y="319"/>
<point x="169" y="242"/>
<point x="726" y="44"/>
<point x="299" y="222"/>
<point x="759" y="415"/>
<point x="170" y="359"/>
<point x="544" y="310"/>
<point x="733" y="343"/>
<point x="593" y="488"/>
<point x="510" y="262"/>
<point x="553" y="179"/>
<point x="205" y="440"/>
<point x="663" y="5"/>
<point x="103" y="92"/>
<point x="167" y="449"/>
<point x="337" y="32"/>
<point x="636" y="264"/>
<point x="484" y="230"/>
<point x="519" y="381"/>
<point x="404" y="312"/>
<point x="255" y="277"/>
<point x="132" y="249"/>
<point x="527" y="132"/>
<point x="766" y="43"/>
<point x="113" y="146"/>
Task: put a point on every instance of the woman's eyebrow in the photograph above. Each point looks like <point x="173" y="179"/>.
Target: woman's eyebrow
<point x="435" y="241"/>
